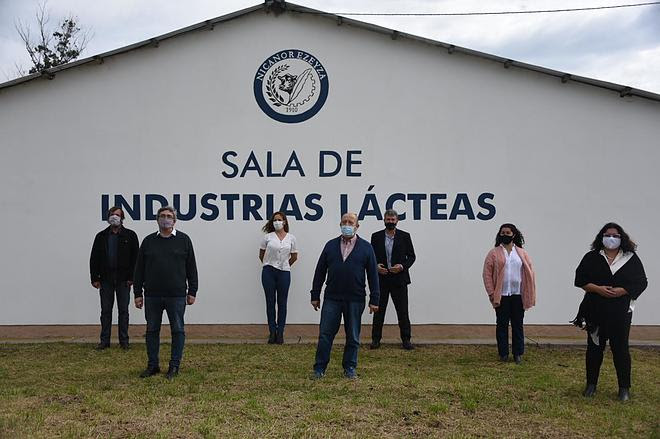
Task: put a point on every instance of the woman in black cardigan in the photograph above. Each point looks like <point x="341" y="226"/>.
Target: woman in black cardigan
<point x="613" y="277"/>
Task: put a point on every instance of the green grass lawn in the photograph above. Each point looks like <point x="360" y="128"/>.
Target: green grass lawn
<point x="257" y="391"/>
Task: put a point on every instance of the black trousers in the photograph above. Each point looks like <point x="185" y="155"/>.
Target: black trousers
<point x="400" y="298"/>
<point x="617" y="333"/>
<point x="510" y="310"/>
<point x="107" y="294"/>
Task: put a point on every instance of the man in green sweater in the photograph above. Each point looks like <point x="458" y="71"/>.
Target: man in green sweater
<point x="167" y="271"/>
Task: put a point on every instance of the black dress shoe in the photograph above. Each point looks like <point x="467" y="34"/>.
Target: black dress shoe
<point x="272" y="337"/>
<point x="407" y="345"/>
<point x="504" y="358"/>
<point x="102" y="346"/>
<point x="624" y="394"/>
<point x="374" y="345"/>
<point x="149" y="371"/>
<point x="124" y="346"/>
<point x="279" y="339"/>
<point x="517" y="359"/>
<point x="172" y="372"/>
<point x="589" y="391"/>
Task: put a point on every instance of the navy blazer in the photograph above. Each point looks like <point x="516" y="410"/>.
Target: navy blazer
<point x="346" y="279"/>
<point x="402" y="253"/>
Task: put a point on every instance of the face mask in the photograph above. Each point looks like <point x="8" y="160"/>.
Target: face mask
<point x="165" y="223"/>
<point x="611" y="243"/>
<point x="278" y="225"/>
<point x="506" y="239"/>
<point x="390" y="226"/>
<point x="347" y="231"/>
<point x="114" y="220"/>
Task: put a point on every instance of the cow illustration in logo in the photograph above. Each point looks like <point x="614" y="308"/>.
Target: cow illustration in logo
<point x="288" y="82"/>
<point x="291" y="86"/>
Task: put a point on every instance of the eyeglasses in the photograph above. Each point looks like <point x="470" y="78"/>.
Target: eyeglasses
<point x="164" y="215"/>
<point x="612" y="236"/>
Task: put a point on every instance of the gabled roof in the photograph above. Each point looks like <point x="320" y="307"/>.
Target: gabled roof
<point x="280" y="6"/>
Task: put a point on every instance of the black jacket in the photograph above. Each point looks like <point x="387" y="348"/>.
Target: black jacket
<point x="596" y="310"/>
<point x="402" y="253"/>
<point x="127" y="250"/>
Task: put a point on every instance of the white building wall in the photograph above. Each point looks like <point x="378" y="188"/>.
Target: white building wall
<point x="560" y="159"/>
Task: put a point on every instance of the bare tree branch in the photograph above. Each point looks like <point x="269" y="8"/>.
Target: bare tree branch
<point x="52" y="47"/>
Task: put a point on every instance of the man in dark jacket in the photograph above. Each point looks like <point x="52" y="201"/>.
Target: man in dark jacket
<point x="111" y="267"/>
<point x="344" y="260"/>
<point x="167" y="271"/>
<point x="395" y="255"/>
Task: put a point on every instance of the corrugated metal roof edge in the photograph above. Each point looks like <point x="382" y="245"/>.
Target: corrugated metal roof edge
<point x="622" y="90"/>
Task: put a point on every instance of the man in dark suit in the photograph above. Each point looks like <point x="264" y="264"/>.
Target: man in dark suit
<point x="111" y="265"/>
<point x="395" y="255"/>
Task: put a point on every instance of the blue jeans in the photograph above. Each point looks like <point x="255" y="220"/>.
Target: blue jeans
<point x="331" y="314"/>
<point x="276" y="287"/>
<point x="510" y="309"/>
<point x="153" y="312"/>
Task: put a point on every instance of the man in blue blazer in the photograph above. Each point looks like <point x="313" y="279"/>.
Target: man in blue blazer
<point x="395" y="255"/>
<point x="344" y="261"/>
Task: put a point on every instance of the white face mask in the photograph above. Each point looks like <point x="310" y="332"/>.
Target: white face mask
<point x="611" y="243"/>
<point x="278" y="225"/>
<point x="114" y="220"/>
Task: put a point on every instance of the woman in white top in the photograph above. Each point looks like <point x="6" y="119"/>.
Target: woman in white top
<point x="278" y="252"/>
<point x="511" y="287"/>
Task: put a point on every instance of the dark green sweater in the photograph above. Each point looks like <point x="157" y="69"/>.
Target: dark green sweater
<point x="165" y="266"/>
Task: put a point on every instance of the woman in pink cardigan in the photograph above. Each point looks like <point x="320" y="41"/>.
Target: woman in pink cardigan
<point x="511" y="286"/>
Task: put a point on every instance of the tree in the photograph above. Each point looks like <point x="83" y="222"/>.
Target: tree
<point x="52" y="47"/>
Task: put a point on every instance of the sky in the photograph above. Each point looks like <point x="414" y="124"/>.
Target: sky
<point x="615" y="45"/>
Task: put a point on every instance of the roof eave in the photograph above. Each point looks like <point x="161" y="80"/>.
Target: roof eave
<point x="622" y="90"/>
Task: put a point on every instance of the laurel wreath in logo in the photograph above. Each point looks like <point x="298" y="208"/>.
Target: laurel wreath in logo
<point x="271" y="90"/>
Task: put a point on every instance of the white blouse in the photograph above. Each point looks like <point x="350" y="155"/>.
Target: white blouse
<point x="512" y="273"/>
<point x="277" y="252"/>
<point x="619" y="261"/>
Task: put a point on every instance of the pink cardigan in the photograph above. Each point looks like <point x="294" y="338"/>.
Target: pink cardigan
<point x="494" y="276"/>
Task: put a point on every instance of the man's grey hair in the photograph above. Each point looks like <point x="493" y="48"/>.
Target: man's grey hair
<point x="391" y="212"/>
<point x="168" y="208"/>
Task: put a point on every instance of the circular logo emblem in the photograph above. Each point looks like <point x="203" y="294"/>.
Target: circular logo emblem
<point x="291" y="86"/>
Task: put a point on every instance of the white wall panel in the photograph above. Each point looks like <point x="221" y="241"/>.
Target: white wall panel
<point x="561" y="160"/>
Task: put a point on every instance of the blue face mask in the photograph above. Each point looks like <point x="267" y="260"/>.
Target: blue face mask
<point x="347" y="231"/>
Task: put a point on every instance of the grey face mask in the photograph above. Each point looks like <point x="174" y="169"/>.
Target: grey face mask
<point x="114" y="220"/>
<point x="165" y="223"/>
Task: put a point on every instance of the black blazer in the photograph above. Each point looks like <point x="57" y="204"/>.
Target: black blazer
<point x="127" y="250"/>
<point x="402" y="253"/>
